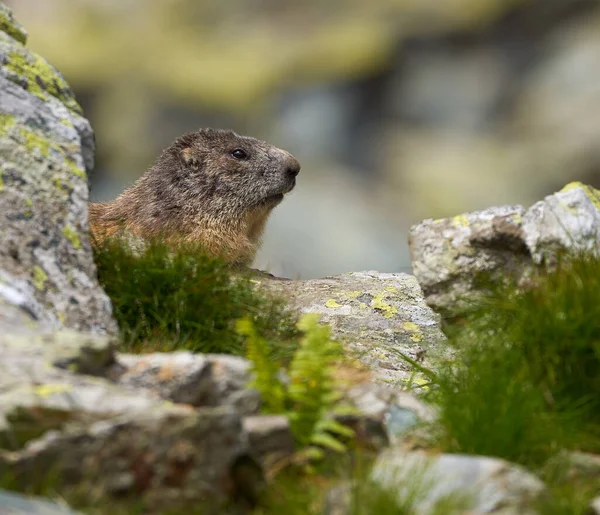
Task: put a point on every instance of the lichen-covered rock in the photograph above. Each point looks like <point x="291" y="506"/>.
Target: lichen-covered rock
<point x="479" y="484"/>
<point x="569" y="219"/>
<point x="46" y="148"/>
<point x="375" y="314"/>
<point x="126" y="437"/>
<point x="452" y="256"/>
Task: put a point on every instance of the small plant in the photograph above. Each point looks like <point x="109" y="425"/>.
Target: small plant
<point x="311" y="394"/>
<point x="167" y="298"/>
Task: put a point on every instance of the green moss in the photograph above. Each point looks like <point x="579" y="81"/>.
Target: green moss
<point x="39" y="278"/>
<point x="72" y="236"/>
<point x="41" y="78"/>
<point x="9" y="25"/>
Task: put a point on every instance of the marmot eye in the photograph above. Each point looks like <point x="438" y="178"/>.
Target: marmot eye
<point x="238" y="153"/>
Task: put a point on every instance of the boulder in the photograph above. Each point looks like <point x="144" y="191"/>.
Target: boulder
<point x="188" y="378"/>
<point x="453" y="257"/>
<point x="447" y="483"/>
<point x="479" y="484"/>
<point x="46" y="152"/>
<point x="377" y="316"/>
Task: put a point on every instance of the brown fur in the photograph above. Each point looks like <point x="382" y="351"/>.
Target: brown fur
<point x="199" y="191"/>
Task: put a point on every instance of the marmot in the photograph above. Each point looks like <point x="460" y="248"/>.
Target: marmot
<point x="213" y="187"/>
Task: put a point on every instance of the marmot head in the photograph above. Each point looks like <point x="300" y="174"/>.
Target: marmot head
<point x="230" y="173"/>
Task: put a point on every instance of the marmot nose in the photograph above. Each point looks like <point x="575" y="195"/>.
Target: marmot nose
<point x="293" y="167"/>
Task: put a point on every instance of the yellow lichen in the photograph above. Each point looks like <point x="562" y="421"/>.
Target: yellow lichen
<point x="46" y="390"/>
<point x="379" y="304"/>
<point x="391" y="289"/>
<point x="460" y="221"/>
<point x="332" y="303"/>
<point x="410" y="326"/>
<point x="362" y="305"/>
<point x="592" y="193"/>
<point x="353" y="294"/>
<point x="416" y="337"/>
<point x="71" y="235"/>
<point x="40" y="278"/>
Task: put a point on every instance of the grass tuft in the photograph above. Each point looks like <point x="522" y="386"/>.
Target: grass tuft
<point x="167" y="299"/>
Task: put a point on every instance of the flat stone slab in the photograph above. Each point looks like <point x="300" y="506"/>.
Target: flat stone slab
<point x="375" y="314"/>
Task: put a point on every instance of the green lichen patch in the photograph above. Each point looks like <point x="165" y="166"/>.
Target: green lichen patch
<point x="41" y="78"/>
<point x="72" y="236"/>
<point x="62" y="185"/>
<point x="11" y="26"/>
<point x="332" y="303"/>
<point x="6" y="122"/>
<point x="40" y="278"/>
<point x="36" y="142"/>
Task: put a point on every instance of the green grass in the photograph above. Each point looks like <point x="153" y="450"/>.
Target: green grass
<point x="167" y="299"/>
<point x="526" y="381"/>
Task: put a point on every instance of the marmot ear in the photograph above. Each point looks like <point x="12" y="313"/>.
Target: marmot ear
<point x="188" y="158"/>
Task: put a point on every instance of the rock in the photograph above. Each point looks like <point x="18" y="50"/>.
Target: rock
<point x="595" y="506"/>
<point x="46" y="148"/>
<point x="375" y="314"/>
<point x="452" y="255"/>
<point x="270" y="438"/>
<point x="123" y="437"/>
<point x="15" y="504"/>
<point x="567" y="220"/>
<point x="482" y="485"/>
<point x="165" y="458"/>
<point x="36" y="395"/>
<point x="384" y="410"/>
<point x="188" y="378"/>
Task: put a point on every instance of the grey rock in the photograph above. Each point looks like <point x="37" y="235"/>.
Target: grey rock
<point x="452" y="255"/>
<point x="568" y="219"/>
<point x="270" y="438"/>
<point x="12" y="503"/>
<point x="46" y="148"/>
<point x="377" y="315"/>
<point x="188" y="378"/>
<point x="166" y="458"/>
<point x="595" y="506"/>
<point x="480" y="485"/>
<point x="395" y="411"/>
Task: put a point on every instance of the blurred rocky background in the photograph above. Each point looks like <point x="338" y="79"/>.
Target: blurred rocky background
<point x="399" y="110"/>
